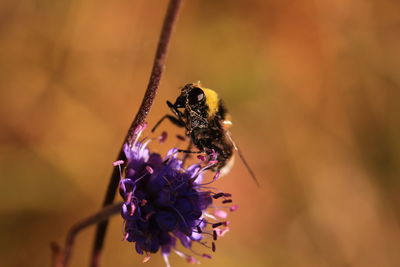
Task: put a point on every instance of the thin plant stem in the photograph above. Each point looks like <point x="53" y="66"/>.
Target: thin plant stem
<point x="158" y="67"/>
<point x="61" y="258"/>
<point x="147" y="102"/>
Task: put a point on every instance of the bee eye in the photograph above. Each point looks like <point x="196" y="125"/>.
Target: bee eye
<point x="196" y="95"/>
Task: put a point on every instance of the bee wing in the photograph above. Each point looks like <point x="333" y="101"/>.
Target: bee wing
<point x="228" y="134"/>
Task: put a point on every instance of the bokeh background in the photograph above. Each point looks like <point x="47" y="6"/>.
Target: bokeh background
<point x="313" y="87"/>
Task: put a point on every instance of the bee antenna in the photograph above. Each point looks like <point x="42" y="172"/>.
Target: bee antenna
<point x="243" y="159"/>
<point x="248" y="167"/>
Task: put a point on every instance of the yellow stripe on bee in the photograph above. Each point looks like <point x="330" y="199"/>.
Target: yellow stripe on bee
<point x="212" y="100"/>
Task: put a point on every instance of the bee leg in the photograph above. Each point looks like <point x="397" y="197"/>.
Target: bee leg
<point x="187" y="155"/>
<point x="173" y="108"/>
<point x="189" y="151"/>
<point x="172" y="119"/>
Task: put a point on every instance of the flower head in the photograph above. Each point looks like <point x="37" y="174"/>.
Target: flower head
<point x="165" y="203"/>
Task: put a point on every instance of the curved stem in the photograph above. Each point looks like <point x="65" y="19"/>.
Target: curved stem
<point x="158" y="67"/>
<point x="156" y="73"/>
<point x="61" y="258"/>
<point x="102" y="226"/>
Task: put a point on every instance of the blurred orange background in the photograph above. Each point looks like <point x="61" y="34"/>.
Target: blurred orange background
<point x="313" y="87"/>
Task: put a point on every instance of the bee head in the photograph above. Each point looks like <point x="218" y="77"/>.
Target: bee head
<point x="192" y="95"/>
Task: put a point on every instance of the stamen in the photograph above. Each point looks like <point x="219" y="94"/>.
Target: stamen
<point x="192" y="260"/>
<point x="204" y="244"/>
<point x="129" y="181"/>
<point x="143" y="147"/>
<point x="206" y="187"/>
<point x="202" y="158"/>
<point x="227" y="195"/>
<point x="216" y="176"/>
<point x="171" y="153"/>
<point x="123" y="187"/>
<point x="215" y="225"/>
<point x="124" y="209"/>
<point x="129" y="198"/>
<point x="199" y="229"/>
<point x="204" y="233"/>
<point x="200" y="255"/>
<point x="162" y="137"/>
<point x="133" y="208"/>
<point x="214" y="235"/>
<point x="123" y="228"/>
<point x="166" y="259"/>
<point x="149" y="169"/>
<point x="234" y="208"/>
<point x="180" y="254"/>
<point x="140" y="128"/>
<point x="209" y="165"/>
<point x="206" y="256"/>
<point x="138" y="131"/>
<point x="218" y="195"/>
<point x="213" y="247"/>
<point x="125" y="237"/>
<point x="227" y="201"/>
<point x="146" y="259"/>
<point x="222" y="232"/>
<point x="117" y="163"/>
<point x="209" y="216"/>
<point x="202" y="221"/>
<point x="220" y="213"/>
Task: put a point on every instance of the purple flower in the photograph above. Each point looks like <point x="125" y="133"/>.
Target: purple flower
<point x="166" y="203"/>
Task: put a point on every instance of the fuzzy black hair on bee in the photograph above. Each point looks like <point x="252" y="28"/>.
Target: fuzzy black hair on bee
<point x="204" y="116"/>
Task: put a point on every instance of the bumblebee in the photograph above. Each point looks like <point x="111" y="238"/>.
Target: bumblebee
<point x="207" y="122"/>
